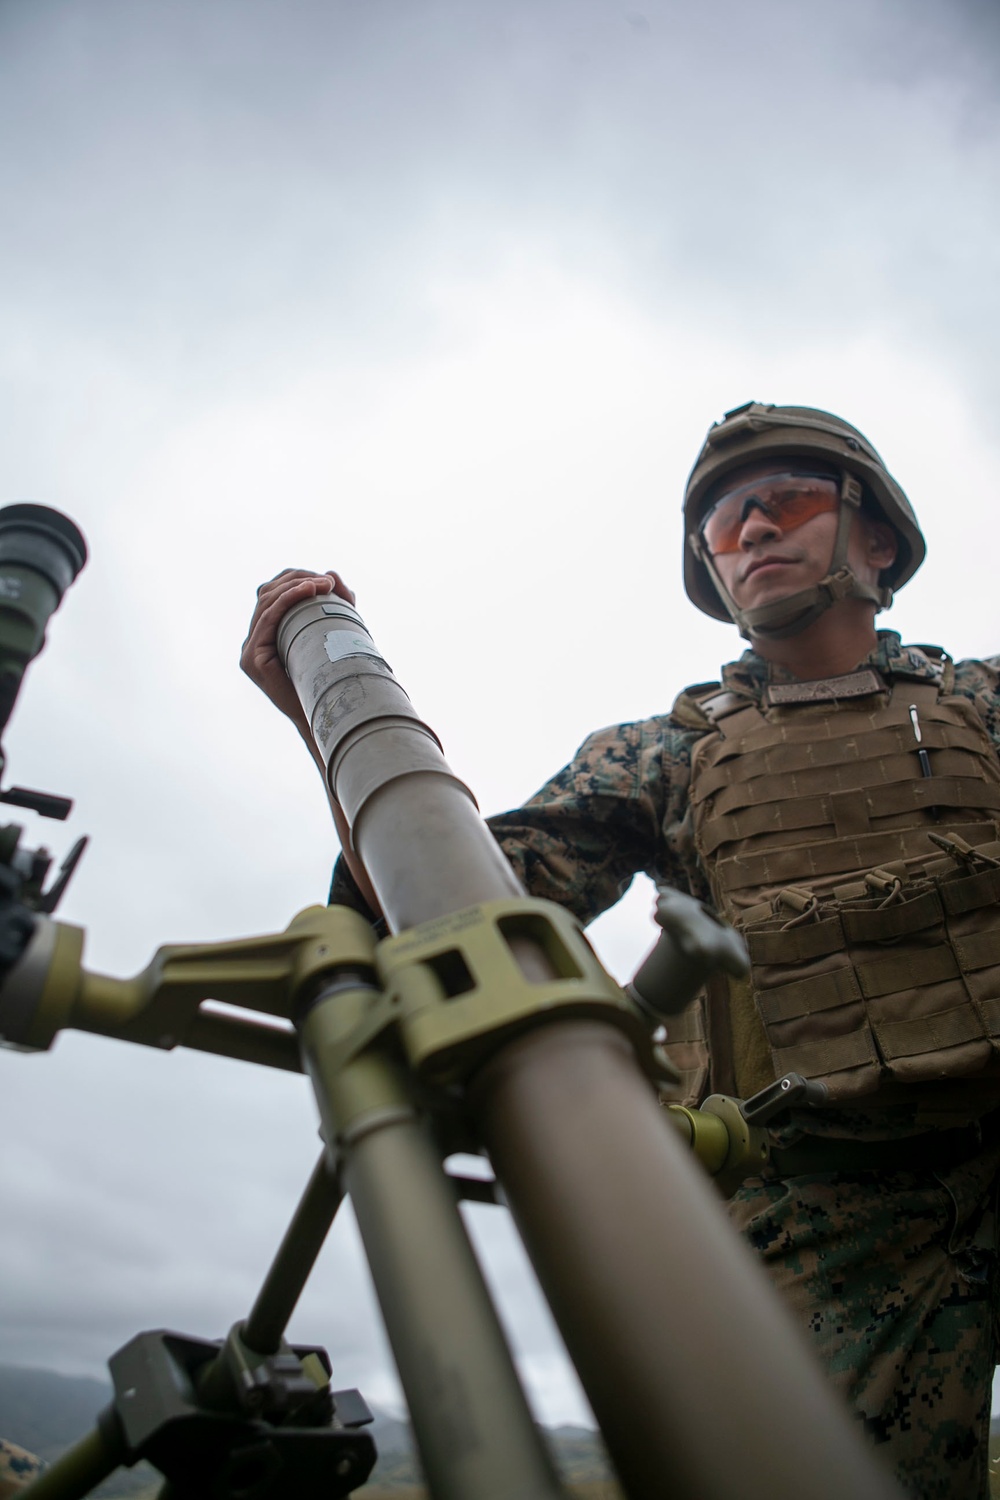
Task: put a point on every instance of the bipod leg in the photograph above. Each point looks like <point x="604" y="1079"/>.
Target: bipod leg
<point x="473" y="1427"/>
<point x="297" y="1253"/>
<point x="81" y="1468"/>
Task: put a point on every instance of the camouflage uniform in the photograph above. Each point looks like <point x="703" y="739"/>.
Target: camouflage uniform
<point x="17" y="1468"/>
<point x="890" y="1271"/>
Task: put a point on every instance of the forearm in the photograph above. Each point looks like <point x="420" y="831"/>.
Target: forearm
<point x="358" y="872"/>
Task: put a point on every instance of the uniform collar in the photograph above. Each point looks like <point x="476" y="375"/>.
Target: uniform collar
<point x="751" y="674"/>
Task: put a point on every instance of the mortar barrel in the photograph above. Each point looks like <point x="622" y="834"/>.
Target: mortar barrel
<point x="698" y="1377"/>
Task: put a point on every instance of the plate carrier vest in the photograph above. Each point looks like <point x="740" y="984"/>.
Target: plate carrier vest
<point x="848" y="830"/>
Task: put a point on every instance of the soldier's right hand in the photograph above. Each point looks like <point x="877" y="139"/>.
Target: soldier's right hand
<point x="259" y="657"/>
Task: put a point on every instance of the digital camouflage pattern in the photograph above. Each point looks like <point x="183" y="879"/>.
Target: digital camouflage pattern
<point x="17" y="1467"/>
<point x="620" y="807"/>
<point x="892" y="1274"/>
<point x="893" y="1277"/>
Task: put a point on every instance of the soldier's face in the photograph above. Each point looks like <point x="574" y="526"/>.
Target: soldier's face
<point x="769" y="552"/>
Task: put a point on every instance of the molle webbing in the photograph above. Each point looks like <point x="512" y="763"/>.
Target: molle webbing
<point x="905" y="986"/>
<point x="811" y="793"/>
<point x="688" y="1050"/>
<point x="833" y="766"/>
<point x="701" y="1040"/>
<point x="849" y="812"/>
<point x="775" y="868"/>
<point x="862" y="975"/>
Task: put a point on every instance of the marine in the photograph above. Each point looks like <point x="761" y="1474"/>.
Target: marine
<point x="18" y="1468"/>
<point x="837" y="797"/>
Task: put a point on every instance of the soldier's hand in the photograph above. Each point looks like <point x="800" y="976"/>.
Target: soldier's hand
<point x="259" y="657"/>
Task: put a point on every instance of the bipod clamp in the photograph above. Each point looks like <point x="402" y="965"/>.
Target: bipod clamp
<point x="457" y="987"/>
<point x="451" y="992"/>
<point x="221" y="1423"/>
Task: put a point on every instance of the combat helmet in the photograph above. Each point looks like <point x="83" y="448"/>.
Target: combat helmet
<point x="758" y="432"/>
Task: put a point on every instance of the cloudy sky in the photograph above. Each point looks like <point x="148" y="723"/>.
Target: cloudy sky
<point x="444" y="294"/>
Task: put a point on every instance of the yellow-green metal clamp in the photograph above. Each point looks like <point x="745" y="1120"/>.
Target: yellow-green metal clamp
<point x="457" y="988"/>
<point x="726" y="1144"/>
<point x="49" y="989"/>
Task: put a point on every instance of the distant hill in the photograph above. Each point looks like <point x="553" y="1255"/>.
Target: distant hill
<point x="47" y="1413"/>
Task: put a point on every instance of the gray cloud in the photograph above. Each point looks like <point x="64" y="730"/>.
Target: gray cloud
<point x="239" y="231"/>
<point x="216" y="180"/>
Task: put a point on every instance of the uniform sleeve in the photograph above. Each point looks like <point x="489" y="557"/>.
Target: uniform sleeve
<point x="344" y="890"/>
<point x="980" y="681"/>
<point x="617" y="809"/>
<point x="595" y="825"/>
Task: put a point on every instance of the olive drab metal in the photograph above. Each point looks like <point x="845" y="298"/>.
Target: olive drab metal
<point x="756" y="433"/>
<point x="866" y="888"/>
<point x="561" y="1100"/>
<point x="484" y="1023"/>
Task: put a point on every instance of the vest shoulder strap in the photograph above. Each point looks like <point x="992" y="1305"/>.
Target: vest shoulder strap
<point x="940" y="658"/>
<point x="709" y="705"/>
<point x="688" y="710"/>
<point x="731" y="713"/>
<point x="933" y="653"/>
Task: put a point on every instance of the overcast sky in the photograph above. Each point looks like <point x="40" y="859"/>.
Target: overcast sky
<point x="444" y="294"/>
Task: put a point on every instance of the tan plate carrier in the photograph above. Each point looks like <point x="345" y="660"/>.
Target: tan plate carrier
<point x="865" y="879"/>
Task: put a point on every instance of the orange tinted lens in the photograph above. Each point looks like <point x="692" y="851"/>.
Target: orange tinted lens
<point x="789" y="500"/>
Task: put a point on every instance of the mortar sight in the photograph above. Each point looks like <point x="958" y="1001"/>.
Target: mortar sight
<point x="41" y="552"/>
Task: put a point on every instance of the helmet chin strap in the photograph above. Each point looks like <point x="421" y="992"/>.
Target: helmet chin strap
<point x="785" y="617"/>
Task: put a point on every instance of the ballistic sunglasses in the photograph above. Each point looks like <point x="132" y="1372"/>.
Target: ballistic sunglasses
<point x="789" y="500"/>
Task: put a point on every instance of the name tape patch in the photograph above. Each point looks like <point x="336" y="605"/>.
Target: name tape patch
<point x="826" y="689"/>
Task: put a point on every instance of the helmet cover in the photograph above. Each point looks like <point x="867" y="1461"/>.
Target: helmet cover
<point x="756" y="433"/>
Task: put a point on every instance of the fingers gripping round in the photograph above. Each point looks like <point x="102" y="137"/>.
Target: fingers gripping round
<point x="259" y="657"/>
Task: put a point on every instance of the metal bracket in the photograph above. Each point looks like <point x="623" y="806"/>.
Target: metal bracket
<point x="791" y="1091"/>
<point x="728" y="1146"/>
<point x="457" y="990"/>
<point x="211" y="1454"/>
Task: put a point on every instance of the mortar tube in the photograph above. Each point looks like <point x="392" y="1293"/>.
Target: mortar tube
<point x="644" y="1275"/>
<point x="413" y="822"/>
<point x="699" y="1380"/>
